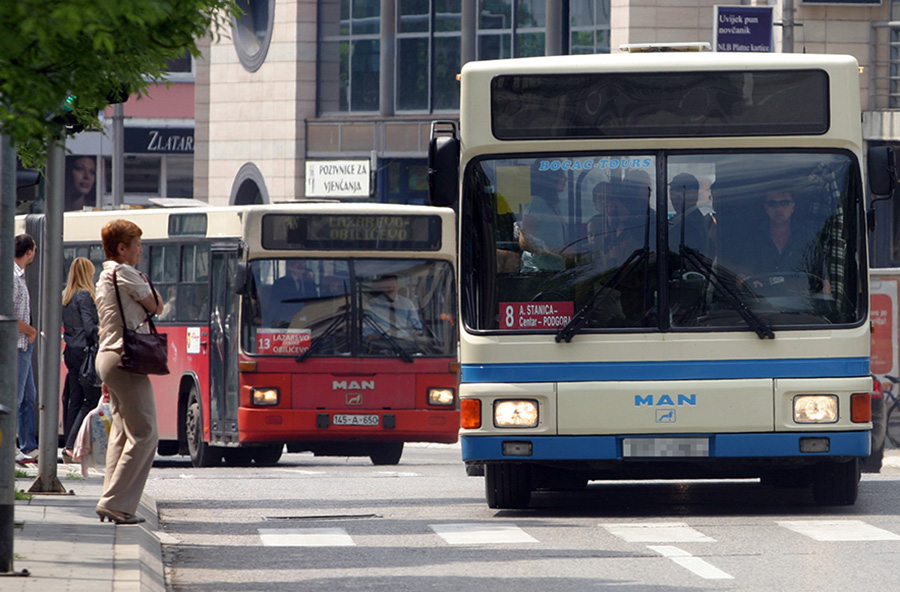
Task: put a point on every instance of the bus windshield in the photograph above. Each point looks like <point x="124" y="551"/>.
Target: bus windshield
<point x="663" y="241"/>
<point x="350" y="307"/>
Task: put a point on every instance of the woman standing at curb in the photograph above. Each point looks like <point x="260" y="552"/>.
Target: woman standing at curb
<point x="133" y="436"/>
<point x="80" y="324"/>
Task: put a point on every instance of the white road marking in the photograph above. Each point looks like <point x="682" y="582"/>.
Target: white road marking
<point x="657" y="532"/>
<point x="839" y="530"/>
<point x="481" y="534"/>
<point x="305" y="537"/>
<point x="696" y="565"/>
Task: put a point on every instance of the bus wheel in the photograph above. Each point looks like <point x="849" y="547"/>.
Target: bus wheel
<point x="238" y="457"/>
<point x="386" y="453"/>
<point x="507" y="485"/>
<point x="268" y="456"/>
<point x="202" y="454"/>
<point x="836" y="483"/>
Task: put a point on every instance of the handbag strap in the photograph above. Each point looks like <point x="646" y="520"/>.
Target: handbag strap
<point x="119" y="302"/>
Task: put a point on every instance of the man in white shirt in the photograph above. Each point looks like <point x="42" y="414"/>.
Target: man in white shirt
<point x="26" y="392"/>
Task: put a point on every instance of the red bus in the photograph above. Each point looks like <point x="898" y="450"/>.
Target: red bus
<point x="357" y="355"/>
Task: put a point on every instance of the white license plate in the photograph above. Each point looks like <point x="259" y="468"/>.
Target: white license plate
<point x="665" y="447"/>
<point x="347" y="419"/>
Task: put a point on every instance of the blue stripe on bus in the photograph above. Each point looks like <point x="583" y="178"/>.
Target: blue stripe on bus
<point x="666" y="370"/>
<point x="562" y="448"/>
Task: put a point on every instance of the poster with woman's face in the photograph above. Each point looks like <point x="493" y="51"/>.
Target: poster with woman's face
<point x="81" y="182"/>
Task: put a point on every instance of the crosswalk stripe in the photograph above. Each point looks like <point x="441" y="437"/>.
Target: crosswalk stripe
<point x="657" y="532"/>
<point x="305" y="537"/>
<point x="481" y="534"/>
<point x="701" y="567"/>
<point x="839" y="530"/>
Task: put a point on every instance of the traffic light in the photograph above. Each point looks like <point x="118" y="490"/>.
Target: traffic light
<point x="69" y="118"/>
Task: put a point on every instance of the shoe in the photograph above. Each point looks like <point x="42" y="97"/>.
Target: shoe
<point x="67" y="458"/>
<point x="23" y="460"/>
<point x="33" y="453"/>
<point x="118" y="517"/>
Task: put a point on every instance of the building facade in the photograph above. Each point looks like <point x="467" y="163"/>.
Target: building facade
<point x="301" y="83"/>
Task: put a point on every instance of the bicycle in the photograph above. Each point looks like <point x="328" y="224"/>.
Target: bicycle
<point x="892" y="411"/>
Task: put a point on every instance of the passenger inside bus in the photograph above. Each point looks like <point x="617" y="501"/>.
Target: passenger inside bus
<point x="689" y="225"/>
<point x="290" y="292"/>
<point x="784" y="255"/>
<point x="390" y="313"/>
<point x="542" y="234"/>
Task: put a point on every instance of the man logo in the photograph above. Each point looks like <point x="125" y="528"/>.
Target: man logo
<point x="354" y="399"/>
<point x="345" y="385"/>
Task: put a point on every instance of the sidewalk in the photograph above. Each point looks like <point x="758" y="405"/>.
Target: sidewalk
<point x="64" y="546"/>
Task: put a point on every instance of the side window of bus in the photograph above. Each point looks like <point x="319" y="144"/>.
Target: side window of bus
<point x="164" y="275"/>
<point x="181" y="275"/>
<point x="193" y="289"/>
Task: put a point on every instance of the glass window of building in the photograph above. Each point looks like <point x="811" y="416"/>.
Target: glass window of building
<point x="588" y="26"/>
<point x="428" y="55"/>
<point x="349" y="52"/>
<point x="511" y="29"/>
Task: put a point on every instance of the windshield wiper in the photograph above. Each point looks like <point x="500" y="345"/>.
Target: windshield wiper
<point x="375" y="324"/>
<point x="701" y="262"/>
<point x="602" y="295"/>
<point x="328" y="332"/>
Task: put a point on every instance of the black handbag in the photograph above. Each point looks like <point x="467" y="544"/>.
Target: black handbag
<point x="87" y="373"/>
<point x="143" y="353"/>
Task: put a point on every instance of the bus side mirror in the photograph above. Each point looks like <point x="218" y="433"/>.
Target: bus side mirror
<point x="241" y="279"/>
<point x="443" y="164"/>
<point x="882" y="170"/>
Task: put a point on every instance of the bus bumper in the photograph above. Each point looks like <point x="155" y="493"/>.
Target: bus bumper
<point x="319" y="425"/>
<point x="719" y="446"/>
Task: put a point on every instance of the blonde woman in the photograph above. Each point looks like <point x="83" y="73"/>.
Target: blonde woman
<point x="80" y="324"/>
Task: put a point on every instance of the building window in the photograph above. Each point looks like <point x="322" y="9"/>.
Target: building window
<point x="348" y="57"/>
<point x="588" y="26"/>
<point x="251" y="26"/>
<point x="151" y="175"/>
<point x="428" y="55"/>
<point x="511" y="28"/>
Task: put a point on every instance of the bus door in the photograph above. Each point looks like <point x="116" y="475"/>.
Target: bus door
<point x="223" y="355"/>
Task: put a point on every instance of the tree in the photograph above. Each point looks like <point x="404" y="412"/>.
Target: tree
<point x="81" y="55"/>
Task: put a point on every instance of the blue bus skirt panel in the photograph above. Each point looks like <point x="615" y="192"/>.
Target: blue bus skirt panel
<point x="666" y="370"/>
<point x="563" y="448"/>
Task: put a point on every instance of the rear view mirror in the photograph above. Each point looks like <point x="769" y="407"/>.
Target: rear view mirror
<point x="443" y="164"/>
<point x="241" y="279"/>
<point x="881" y="169"/>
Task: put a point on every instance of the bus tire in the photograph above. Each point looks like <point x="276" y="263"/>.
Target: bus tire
<point x="202" y="454"/>
<point x="836" y="483"/>
<point x="386" y="453"/>
<point x="268" y="455"/>
<point x="507" y="485"/>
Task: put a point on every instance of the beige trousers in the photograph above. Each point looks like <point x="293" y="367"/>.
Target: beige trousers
<point x="133" y="436"/>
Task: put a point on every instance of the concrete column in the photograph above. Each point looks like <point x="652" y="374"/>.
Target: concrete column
<point x="469" y="49"/>
<point x="553" y="36"/>
<point x="388" y="41"/>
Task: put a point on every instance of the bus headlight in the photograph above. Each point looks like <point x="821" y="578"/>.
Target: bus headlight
<point x="516" y="414"/>
<point x="816" y="409"/>
<point x="265" y="396"/>
<point x="441" y="396"/>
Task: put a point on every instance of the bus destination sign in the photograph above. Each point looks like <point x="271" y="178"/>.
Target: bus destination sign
<point x="288" y="342"/>
<point x="535" y="315"/>
<point x="332" y="232"/>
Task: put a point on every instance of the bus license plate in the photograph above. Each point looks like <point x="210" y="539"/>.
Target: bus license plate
<point x="665" y="447"/>
<point x="347" y="419"/>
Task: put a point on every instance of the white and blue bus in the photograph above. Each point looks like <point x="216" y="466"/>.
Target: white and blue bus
<point x="663" y="270"/>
